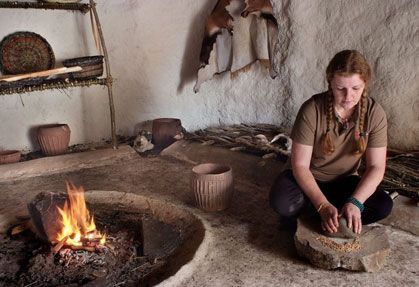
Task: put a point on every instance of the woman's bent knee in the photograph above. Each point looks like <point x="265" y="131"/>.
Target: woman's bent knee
<point x="378" y="207"/>
<point x="286" y="197"/>
<point x="386" y="207"/>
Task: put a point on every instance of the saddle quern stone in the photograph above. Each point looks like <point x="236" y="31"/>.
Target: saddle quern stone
<point x="367" y="252"/>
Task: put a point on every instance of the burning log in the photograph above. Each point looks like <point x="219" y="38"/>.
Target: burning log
<point x="59" y="245"/>
<point x="64" y="220"/>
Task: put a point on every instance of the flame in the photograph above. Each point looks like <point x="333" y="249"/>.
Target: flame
<point x="77" y="223"/>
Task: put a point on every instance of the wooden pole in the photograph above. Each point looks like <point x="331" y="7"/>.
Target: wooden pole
<point x="109" y="78"/>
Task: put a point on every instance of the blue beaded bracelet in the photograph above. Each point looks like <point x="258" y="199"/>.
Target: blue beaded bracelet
<point x="356" y="202"/>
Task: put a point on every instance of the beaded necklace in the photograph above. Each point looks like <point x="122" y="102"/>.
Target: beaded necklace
<point x="344" y="122"/>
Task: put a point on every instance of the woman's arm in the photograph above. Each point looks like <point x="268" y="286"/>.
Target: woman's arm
<point x="300" y="162"/>
<point x="373" y="175"/>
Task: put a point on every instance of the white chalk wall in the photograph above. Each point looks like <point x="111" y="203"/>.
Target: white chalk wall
<point x="386" y="32"/>
<point x="154" y="50"/>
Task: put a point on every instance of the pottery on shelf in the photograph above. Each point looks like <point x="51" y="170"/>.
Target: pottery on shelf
<point x="9" y="156"/>
<point x="164" y="131"/>
<point x="54" y="139"/>
<point x="212" y="185"/>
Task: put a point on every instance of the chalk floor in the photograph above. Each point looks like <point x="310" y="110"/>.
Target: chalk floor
<point x="242" y="245"/>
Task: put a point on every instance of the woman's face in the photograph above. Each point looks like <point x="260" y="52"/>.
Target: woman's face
<point x="347" y="90"/>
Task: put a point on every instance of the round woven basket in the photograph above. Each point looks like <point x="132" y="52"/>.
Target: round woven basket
<point x="25" y="52"/>
<point x="212" y="185"/>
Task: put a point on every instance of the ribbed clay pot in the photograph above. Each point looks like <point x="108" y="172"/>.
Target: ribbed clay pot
<point x="212" y="185"/>
<point x="9" y="156"/>
<point x="164" y="130"/>
<point x="54" y="139"/>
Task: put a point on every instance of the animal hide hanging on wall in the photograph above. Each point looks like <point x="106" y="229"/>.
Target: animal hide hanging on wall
<point x="237" y="34"/>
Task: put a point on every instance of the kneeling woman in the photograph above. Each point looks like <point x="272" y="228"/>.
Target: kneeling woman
<point x="331" y="133"/>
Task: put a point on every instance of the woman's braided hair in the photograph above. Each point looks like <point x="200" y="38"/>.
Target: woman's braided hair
<point x="347" y="63"/>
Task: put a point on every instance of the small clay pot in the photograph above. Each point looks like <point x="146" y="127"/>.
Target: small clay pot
<point x="212" y="185"/>
<point x="54" y="139"/>
<point x="9" y="156"/>
<point x="164" y="130"/>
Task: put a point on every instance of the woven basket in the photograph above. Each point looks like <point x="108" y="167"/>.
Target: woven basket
<point x="83" y="61"/>
<point x="88" y="72"/>
<point x="25" y="52"/>
<point x="92" y="67"/>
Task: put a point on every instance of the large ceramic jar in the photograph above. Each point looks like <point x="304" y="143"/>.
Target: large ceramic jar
<point x="54" y="139"/>
<point x="165" y="130"/>
<point x="212" y="185"/>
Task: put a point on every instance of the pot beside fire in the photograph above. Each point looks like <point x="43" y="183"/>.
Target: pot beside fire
<point x="212" y="185"/>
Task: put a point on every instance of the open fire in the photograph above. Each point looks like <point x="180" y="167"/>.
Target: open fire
<point x="138" y="246"/>
<point x="78" y="229"/>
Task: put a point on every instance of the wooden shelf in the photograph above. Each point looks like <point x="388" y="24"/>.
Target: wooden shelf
<point x="53" y="84"/>
<point x="31" y="86"/>
<point x="82" y="7"/>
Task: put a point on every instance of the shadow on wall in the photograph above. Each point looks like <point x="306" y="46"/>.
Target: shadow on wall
<point x="33" y="139"/>
<point x="190" y="63"/>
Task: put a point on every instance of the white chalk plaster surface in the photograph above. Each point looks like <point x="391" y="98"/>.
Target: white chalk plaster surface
<point x="154" y="51"/>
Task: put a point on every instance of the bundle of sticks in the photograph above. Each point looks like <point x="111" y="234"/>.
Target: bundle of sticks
<point x="402" y="174"/>
<point x="265" y="140"/>
<point x="89" y="243"/>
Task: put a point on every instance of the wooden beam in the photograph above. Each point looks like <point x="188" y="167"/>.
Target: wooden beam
<point x="84" y="8"/>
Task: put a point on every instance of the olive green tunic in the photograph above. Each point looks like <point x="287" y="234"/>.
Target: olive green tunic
<point x="310" y="126"/>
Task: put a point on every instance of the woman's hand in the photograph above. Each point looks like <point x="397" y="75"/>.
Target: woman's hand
<point x="329" y="215"/>
<point x="353" y="217"/>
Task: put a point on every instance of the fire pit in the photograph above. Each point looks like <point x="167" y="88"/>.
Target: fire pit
<point x="123" y="239"/>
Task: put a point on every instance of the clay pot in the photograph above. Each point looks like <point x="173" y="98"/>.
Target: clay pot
<point x="164" y="130"/>
<point x="9" y="156"/>
<point x="54" y="139"/>
<point x="212" y="185"/>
